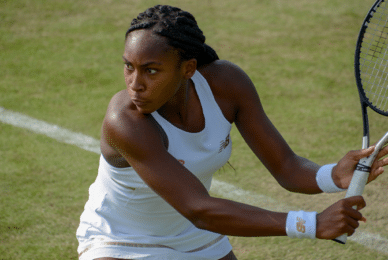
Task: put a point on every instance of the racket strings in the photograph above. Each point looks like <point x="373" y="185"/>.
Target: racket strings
<point x="374" y="59"/>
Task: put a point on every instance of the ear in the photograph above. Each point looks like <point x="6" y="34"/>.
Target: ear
<point x="189" y="67"/>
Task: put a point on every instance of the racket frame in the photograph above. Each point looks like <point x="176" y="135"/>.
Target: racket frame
<point x="360" y="176"/>
<point x="363" y="98"/>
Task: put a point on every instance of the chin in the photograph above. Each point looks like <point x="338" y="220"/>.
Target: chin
<point x="145" y="110"/>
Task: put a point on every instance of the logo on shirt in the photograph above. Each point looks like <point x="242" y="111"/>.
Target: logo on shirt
<point x="182" y="162"/>
<point x="300" y="227"/>
<point x="224" y="143"/>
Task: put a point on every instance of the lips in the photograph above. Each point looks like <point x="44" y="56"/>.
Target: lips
<point x="139" y="102"/>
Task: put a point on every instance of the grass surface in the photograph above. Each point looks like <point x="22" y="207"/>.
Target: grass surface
<point x="61" y="62"/>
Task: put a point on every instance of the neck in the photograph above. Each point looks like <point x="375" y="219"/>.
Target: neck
<point x="176" y="109"/>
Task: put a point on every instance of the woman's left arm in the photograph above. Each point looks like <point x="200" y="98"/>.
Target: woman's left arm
<point x="294" y="173"/>
<point x="291" y="171"/>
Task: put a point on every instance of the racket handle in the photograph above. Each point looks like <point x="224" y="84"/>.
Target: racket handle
<point x="356" y="188"/>
<point x="341" y="239"/>
<point x="360" y="176"/>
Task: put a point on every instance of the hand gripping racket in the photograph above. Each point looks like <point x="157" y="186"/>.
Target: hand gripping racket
<point x="371" y="71"/>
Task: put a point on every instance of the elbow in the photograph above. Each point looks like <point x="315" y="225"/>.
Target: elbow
<point x="199" y="223"/>
<point x="198" y="216"/>
<point x="299" y="185"/>
<point x="288" y="181"/>
<point x="285" y="174"/>
<point x="291" y="183"/>
<point x="284" y="178"/>
<point x="291" y="189"/>
<point x="287" y="185"/>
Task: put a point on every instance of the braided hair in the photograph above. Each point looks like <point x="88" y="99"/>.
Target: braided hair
<point x="181" y="30"/>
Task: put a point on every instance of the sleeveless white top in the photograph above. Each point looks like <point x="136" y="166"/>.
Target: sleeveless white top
<point x="122" y="207"/>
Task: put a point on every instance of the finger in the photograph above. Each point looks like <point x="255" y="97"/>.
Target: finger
<point x="352" y="225"/>
<point x="355" y="201"/>
<point x="377" y="167"/>
<point x="352" y="222"/>
<point x="360" y="207"/>
<point x="349" y="230"/>
<point x="354" y="214"/>
<point x="366" y="152"/>
<point x="382" y="162"/>
<point x="359" y="154"/>
<point x="375" y="173"/>
<point x="383" y="152"/>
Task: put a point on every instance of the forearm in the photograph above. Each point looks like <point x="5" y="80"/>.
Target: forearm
<point x="237" y="219"/>
<point x="299" y="175"/>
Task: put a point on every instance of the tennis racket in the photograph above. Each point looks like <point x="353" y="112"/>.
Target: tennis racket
<point x="371" y="71"/>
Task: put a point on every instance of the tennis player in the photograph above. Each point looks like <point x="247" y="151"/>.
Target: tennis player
<point x="165" y="135"/>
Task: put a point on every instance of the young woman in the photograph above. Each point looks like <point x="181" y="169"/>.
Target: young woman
<point x="165" y="135"/>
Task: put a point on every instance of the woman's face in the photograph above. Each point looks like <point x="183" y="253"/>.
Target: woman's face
<point x="153" y="70"/>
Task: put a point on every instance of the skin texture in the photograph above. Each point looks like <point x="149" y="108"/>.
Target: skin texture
<point x="157" y="78"/>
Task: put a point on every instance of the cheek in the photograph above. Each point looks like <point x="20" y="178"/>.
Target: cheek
<point x="126" y="78"/>
<point x="169" y="88"/>
<point x="160" y="93"/>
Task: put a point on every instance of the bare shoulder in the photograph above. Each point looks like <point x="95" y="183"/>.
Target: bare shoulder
<point x="125" y="131"/>
<point x="121" y="110"/>
<point x="230" y="85"/>
<point x="222" y="73"/>
<point x="120" y="115"/>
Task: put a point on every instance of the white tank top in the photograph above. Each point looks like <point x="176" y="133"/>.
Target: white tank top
<point x="121" y="204"/>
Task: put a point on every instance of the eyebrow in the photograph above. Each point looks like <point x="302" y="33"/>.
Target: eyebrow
<point x="145" y="64"/>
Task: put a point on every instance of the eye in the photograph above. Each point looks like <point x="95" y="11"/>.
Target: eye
<point x="152" y="71"/>
<point x="128" y="66"/>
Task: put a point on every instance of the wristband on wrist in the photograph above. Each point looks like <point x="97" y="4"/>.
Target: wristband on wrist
<point x="325" y="181"/>
<point x="301" y="224"/>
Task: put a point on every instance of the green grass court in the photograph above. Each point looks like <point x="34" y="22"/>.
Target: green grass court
<point x="60" y="62"/>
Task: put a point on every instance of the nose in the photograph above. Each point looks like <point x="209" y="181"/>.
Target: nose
<point x="135" y="82"/>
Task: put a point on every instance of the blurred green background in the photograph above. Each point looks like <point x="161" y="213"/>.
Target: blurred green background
<point x="60" y="62"/>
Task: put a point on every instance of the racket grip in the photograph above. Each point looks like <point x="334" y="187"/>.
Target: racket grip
<point x="356" y="188"/>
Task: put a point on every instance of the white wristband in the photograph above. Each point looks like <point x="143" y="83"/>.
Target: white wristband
<point x="325" y="180"/>
<point x="301" y="224"/>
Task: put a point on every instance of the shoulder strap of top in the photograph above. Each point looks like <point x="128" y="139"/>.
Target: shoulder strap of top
<point x="205" y="94"/>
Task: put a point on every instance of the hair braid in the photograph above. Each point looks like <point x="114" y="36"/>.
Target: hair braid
<point x="181" y="29"/>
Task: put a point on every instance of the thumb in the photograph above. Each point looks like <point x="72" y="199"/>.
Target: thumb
<point x="356" y="201"/>
<point x="359" y="154"/>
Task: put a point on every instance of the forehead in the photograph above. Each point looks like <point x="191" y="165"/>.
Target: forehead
<point x="144" y="45"/>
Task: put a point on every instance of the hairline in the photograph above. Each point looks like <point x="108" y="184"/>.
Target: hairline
<point x="168" y="42"/>
<point x="169" y="47"/>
